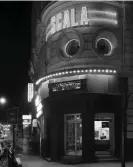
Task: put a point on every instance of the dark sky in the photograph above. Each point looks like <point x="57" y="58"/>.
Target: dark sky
<point x="15" y="48"/>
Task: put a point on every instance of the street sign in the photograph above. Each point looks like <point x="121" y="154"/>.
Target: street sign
<point x="12" y="116"/>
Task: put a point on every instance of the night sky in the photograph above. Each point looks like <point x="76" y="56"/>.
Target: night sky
<point x="15" y="49"/>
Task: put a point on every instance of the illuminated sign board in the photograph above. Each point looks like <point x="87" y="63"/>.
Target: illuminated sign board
<point x="39" y="106"/>
<point x="63" y="86"/>
<point x="26" y="119"/>
<point x="30" y="91"/>
<point x="79" y="17"/>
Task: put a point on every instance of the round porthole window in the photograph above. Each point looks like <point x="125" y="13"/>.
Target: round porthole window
<point x="104" y="43"/>
<point x="72" y="47"/>
<point x="104" y="47"/>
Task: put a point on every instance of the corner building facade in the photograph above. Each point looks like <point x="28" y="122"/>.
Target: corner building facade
<point x="83" y="74"/>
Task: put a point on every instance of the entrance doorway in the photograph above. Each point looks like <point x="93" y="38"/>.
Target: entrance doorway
<point x="104" y="133"/>
<point x="73" y="134"/>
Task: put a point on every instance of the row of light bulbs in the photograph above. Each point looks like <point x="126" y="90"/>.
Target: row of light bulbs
<point x="77" y="71"/>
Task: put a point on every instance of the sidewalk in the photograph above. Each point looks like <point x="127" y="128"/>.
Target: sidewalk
<point x="36" y="161"/>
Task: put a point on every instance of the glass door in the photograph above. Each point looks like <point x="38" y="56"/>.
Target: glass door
<point x="73" y="134"/>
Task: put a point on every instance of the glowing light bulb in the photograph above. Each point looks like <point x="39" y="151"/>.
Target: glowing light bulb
<point x="2" y="100"/>
<point x="94" y="70"/>
<point x="90" y="70"/>
<point x="102" y="70"/>
<point x="107" y="71"/>
<point x="99" y="70"/>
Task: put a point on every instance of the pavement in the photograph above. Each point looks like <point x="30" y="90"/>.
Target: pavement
<point x="36" y="161"/>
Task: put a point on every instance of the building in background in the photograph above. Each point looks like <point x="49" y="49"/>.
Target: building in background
<point x="83" y="74"/>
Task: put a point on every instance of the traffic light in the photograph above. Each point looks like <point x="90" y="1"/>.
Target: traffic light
<point x="12" y="115"/>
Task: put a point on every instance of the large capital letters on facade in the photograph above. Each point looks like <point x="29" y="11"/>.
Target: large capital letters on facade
<point x="66" y="20"/>
<point x="73" y="18"/>
<point x="84" y="18"/>
<point x="53" y="27"/>
<point x="59" y="22"/>
<point x="48" y="31"/>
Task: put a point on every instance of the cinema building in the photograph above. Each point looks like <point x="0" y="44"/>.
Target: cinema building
<point x="83" y="78"/>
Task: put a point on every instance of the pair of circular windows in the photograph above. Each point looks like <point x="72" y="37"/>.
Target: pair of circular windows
<point x="103" y="44"/>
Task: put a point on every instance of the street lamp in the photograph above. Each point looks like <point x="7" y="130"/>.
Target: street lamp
<point x="2" y="100"/>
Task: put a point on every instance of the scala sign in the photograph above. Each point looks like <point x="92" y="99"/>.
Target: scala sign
<point x="72" y="18"/>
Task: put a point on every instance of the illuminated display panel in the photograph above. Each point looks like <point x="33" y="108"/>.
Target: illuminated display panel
<point x="39" y="106"/>
<point x="30" y="92"/>
<point x="71" y="85"/>
<point x="102" y="130"/>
